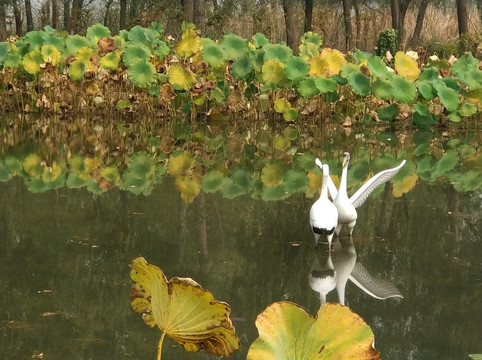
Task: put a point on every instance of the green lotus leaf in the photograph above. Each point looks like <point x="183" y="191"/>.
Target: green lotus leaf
<point x="188" y="186"/>
<point x="81" y="166"/>
<point x="357" y="173"/>
<point x="359" y="83"/>
<point x="422" y="136"/>
<point x="137" y="35"/>
<point x="422" y="121"/>
<point x="96" y="32"/>
<point x="310" y="37"/>
<point x="51" y="54"/>
<point x="240" y="177"/>
<point x="274" y="193"/>
<point x="467" y="109"/>
<point x="296" y="68"/>
<point x="4" y="173"/>
<point x="377" y="67"/>
<point x="466" y="69"/>
<point x="84" y="54"/>
<point x="465" y="150"/>
<point x="273" y="172"/>
<point x="134" y="52"/>
<point x="110" y="61"/>
<point x="306" y="161"/>
<point x="13" y="58"/>
<point x="388" y="137"/>
<point x="272" y="73"/>
<point x="289" y="332"/>
<point x="361" y="57"/>
<point x="422" y="109"/>
<point x="307" y="88"/>
<point x="52" y="173"/>
<point x="473" y="96"/>
<point x="234" y="46"/>
<point x="281" y="142"/>
<point x="213" y="53"/>
<point x="388" y="113"/>
<point x="454" y="116"/>
<point x="385" y="161"/>
<point x="260" y="40"/>
<point x="134" y="184"/>
<point x="346" y="69"/>
<point x="295" y="180"/>
<point x="36" y="185"/>
<point x="184" y="78"/>
<point x="57" y="41"/>
<point x="31" y="62"/>
<point x="421" y="149"/>
<point x="309" y="50"/>
<point x="281" y="105"/>
<point x="447" y="163"/>
<point x="157" y="27"/>
<point x="230" y="190"/>
<point x="241" y="67"/>
<point x="276" y="52"/>
<point x="291" y="133"/>
<point x="325" y="85"/>
<point x="180" y="164"/>
<point x="382" y="89"/>
<point x="403" y="90"/>
<point x="448" y="96"/>
<point x="142" y="73"/>
<point x="75" y="182"/>
<point x="77" y="69"/>
<point x="35" y="39"/>
<point x="162" y="50"/>
<point x="111" y="173"/>
<point x="469" y="181"/>
<point x="141" y="164"/>
<point x="13" y="164"/>
<point x="190" y="44"/>
<point x="32" y="165"/>
<point x="428" y="74"/>
<point x="76" y="42"/>
<point x="213" y="181"/>
<point x="453" y="144"/>
<point x="426" y="89"/>
<point x="123" y="104"/>
<point x="4" y="49"/>
<point x="291" y="114"/>
<point x="94" y="187"/>
<point x="426" y="167"/>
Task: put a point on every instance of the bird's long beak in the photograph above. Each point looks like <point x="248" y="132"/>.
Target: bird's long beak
<point x="345" y="159"/>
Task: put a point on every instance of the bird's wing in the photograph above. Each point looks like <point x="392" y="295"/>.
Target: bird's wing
<point x="358" y="198"/>
<point x="375" y="287"/>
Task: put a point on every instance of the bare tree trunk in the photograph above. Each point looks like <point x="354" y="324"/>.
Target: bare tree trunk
<point x="462" y="16"/>
<point x="3" y="21"/>
<point x="123" y="14"/>
<point x="133" y="9"/>
<point x="18" y="18"/>
<point x="28" y="13"/>
<point x="187" y="6"/>
<point x="356" y="6"/>
<point x="215" y="5"/>
<point x="479" y="9"/>
<point x="66" y="15"/>
<point x="291" y="38"/>
<point x="308" y="15"/>
<point x="395" y="14"/>
<point x="399" y="10"/>
<point x="347" y="21"/>
<point x="199" y="15"/>
<point x="75" y="16"/>
<point x="419" y="24"/>
<point x="106" y="14"/>
<point x="55" y="14"/>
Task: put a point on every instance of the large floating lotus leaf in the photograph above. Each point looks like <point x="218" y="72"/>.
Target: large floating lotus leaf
<point x="180" y="164"/>
<point x="141" y="164"/>
<point x="359" y="83"/>
<point x="31" y="62"/>
<point x="466" y="69"/>
<point x="377" y="67"/>
<point x="241" y="67"/>
<point x="51" y="173"/>
<point x="289" y="332"/>
<point x="406" y="66"/>
<point x="230" y="190"/>
<point x="75" y="182"/>
<point x="111" y="173"/>
<point x="110" y="61"/>
<point x="77" y="69"/>
<point x="382" y="89"/>
<point x="260" y="40"/>
<point x="296" y="68"/>
<point x="183" y="78"/>
<point x="134" y="184"/>
<point x="388" y="113"/>
<point x="295" y="180"/>
<point x="182" y="309"/>
<point x="51" y="54"/>
<point x="213" y="53"/>
<point x="96" y="32"/>
<point x="274" y="193"/>
<point x="134" y="52"/>
<point x="13" y="165"/>
<point x="75" y="42"/>
<point x="234" y="46"/>
<point x="190" y="43"/>
<point x="35" y="39"/>
<point x="276" y="52"/>
<point x="142" y="73"/>
<point x="213" y="181"/>
<point x="333" y="61"/>
<point x="404" y="186"/>
<point x="272" y="73"/>
<point x="403" y="90"/>
<point x="240" y="177"/>
<point x="32" y="164"/>
<point x="325" y="85"/>
<point x="449" y="97"/>
<point x="272" y="173"/>
<point x="188" y="186"/>
<point x="447" y="163"/>
<point x="307" y="87"/>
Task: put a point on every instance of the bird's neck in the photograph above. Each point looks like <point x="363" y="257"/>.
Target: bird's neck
<point x="343" y="180"/>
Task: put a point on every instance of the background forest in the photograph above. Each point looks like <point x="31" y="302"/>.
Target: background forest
<point x="433" y="26"/>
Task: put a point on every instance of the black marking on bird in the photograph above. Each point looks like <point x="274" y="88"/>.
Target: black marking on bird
<point x="323" y="231"/>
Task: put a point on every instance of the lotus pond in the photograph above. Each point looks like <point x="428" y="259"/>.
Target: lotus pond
<point x="71" y="223"/>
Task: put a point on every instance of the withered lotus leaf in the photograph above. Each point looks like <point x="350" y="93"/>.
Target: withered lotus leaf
<point x="287" y="331"/>
<point x="182" y="309"/>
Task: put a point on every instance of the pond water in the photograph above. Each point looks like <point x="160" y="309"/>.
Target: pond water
<point x="64" y="274"/>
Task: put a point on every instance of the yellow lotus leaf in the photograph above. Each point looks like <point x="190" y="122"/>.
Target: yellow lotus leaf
<point x="288" y="332"/>
<point x="404" y="186"/>
<point x="51" y="173"/>
<point x="315" y="180"/>
<point x="51" y="54"/>
<point x="190" y="43"/>
<point x="272" y="73"/>
<point x="180" y="164"/>
<point x="182" y="309"/>
<point x="188" y="186"/>
<point x="84" y="53"/>
<point x="406" y="66"/>
<point x="273" y="173"/>
<point x="281" y="105"/>
<point x="184" y="78"/>
<point x="334" y="61"/>
<point x="318" y="67"/>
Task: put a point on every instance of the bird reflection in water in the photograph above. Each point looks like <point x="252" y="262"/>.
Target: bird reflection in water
<point x="340" y="265"/>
